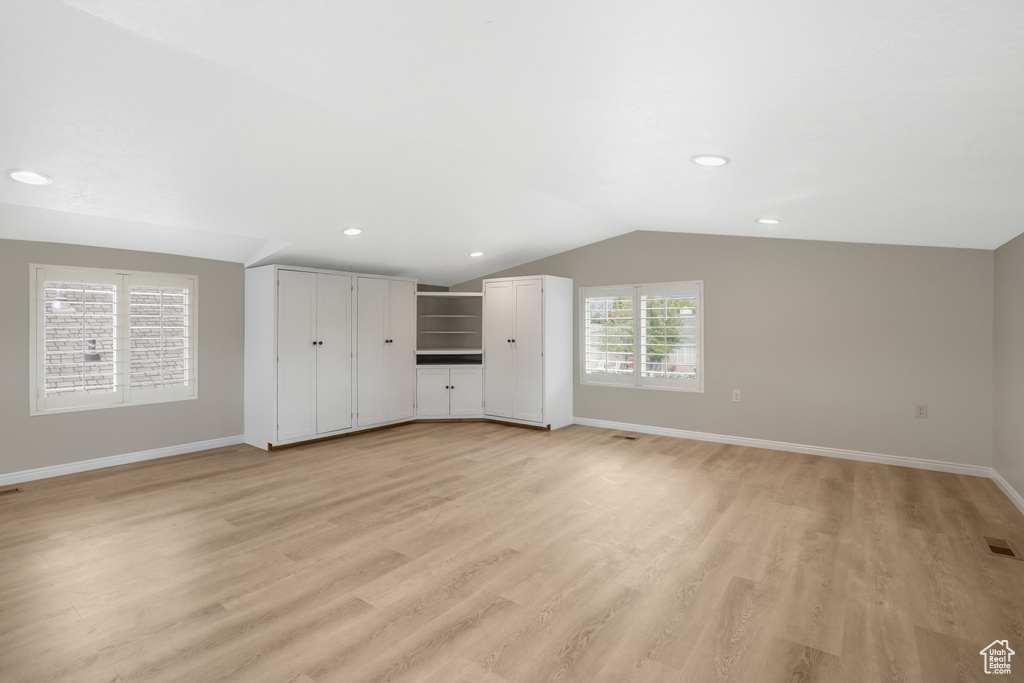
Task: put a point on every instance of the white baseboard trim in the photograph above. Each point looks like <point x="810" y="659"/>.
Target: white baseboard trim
<point x="899" y="460"/>
<point x="1010" y="492"/>
<point x="110" y="461"/>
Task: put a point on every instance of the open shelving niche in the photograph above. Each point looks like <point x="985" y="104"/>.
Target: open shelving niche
<point x="449" y="328"/>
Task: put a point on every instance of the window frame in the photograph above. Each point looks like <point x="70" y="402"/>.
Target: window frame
<point x="636" y="379"/>
<point x="124" y="394"/>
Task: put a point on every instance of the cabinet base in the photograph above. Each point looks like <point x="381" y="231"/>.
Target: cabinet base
<point x="365" y="430"/>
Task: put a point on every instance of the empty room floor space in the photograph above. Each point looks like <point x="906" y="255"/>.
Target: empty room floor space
<point x="482" y="552"/>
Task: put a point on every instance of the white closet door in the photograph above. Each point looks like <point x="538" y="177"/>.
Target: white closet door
<point x="401" y="349"/>
<point x="498" y="362"/>
<point x="528" y="345"/>
<point x="371" y="351"/>
<point x="466" y="391"/>
<point x="432" y="392"/>
<point x="296" y="355"/>
<point x="334" y="360"/>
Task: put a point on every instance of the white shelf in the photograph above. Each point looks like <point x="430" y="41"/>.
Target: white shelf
<point x="446" y="352"/>
<point x="450" y="294"/>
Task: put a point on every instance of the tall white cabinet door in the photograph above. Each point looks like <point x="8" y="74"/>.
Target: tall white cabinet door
<point x="498" y="381"/>
<point x="432" y="392"/>
<point x="401" y="349"/>
<point x="334" y="353"/>
<point x="371" y="351"/>
<point x="466" y="391"/>
<point x="528" y="346"/>
<point x="296" y="355"/>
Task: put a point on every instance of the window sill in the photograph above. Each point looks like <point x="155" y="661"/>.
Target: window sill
<point x="689" y="390"/>
<point x="35" y="412"/>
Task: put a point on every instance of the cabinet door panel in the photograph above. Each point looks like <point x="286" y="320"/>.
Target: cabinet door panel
<point x="528" y="399"/>
<point x="498" y="380"/>
<point x="371" y="351"/>
<point x="466" y="392"/>
<point x="296" y="355"/>
<point x="432" y="392"/>
<point x="334" y="360"/>
<point x="401" y="351"/>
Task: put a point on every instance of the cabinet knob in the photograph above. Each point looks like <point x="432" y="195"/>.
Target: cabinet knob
<point x="314" y="343"/>
<point x="320" y="343"/>
<point x="509" y="341"/>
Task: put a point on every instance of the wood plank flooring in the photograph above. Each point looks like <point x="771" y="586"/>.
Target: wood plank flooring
<point x="481" y="552"/>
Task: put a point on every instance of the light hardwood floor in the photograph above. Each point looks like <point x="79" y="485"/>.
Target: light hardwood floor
<point x="480" y="552"/>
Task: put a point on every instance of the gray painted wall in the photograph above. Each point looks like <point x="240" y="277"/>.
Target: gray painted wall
<point x="1008" y="458"/>
<point x="833" y="344"/>
<point x="31" y="442"/>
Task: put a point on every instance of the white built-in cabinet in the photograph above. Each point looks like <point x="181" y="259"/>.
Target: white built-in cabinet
<point x="328" y="352"/>
<point x="306" y="331"/>
<point x="454" y="391"/>
<point x="527" y="343"/>
<point x="314" y="342"/>
<point x="386" y="350"/>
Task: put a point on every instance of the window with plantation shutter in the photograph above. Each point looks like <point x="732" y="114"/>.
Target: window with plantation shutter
<point x="647" y="336"/>
<point x="104" y="338"/>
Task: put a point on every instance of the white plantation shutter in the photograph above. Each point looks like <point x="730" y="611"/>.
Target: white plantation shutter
<point x="103" y="338"/>
<point x="77" y="337"/>
<point x="670" y="333"/>
<point x="608" y="335"/>
<point x="160" y="339"/>
<point x="648" y="336"/>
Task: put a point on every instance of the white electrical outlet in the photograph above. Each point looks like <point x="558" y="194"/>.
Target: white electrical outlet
<point x="736" y="396"/>
<point x="921" y="410"/>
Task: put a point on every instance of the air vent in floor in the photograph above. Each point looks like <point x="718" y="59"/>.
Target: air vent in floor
<point x="627" y="438"/>
<point x="7" y="492"/>
<point x="998" y="546"/>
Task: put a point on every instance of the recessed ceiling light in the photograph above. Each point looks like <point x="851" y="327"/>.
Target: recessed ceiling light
<point x="768" y="221"/>
<point x="475" y="254"/>
<point x="353" y="231"/>
<point x="30" y="177"/>
<point x="709" y="160"/>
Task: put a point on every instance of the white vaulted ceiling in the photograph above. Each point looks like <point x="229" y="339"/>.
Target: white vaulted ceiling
<point x="257" y="131"/>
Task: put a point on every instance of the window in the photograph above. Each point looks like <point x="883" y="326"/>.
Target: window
<point x="648" y="336"/>
<point x="104" y="338"/>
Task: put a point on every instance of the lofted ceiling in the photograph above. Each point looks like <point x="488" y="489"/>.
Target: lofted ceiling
<point x="257" y="130"/>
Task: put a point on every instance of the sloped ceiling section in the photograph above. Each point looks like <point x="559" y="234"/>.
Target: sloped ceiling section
<point x="259" y="130"/>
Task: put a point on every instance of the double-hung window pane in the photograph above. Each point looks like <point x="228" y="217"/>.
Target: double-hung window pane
<point x="643" y="335"/>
